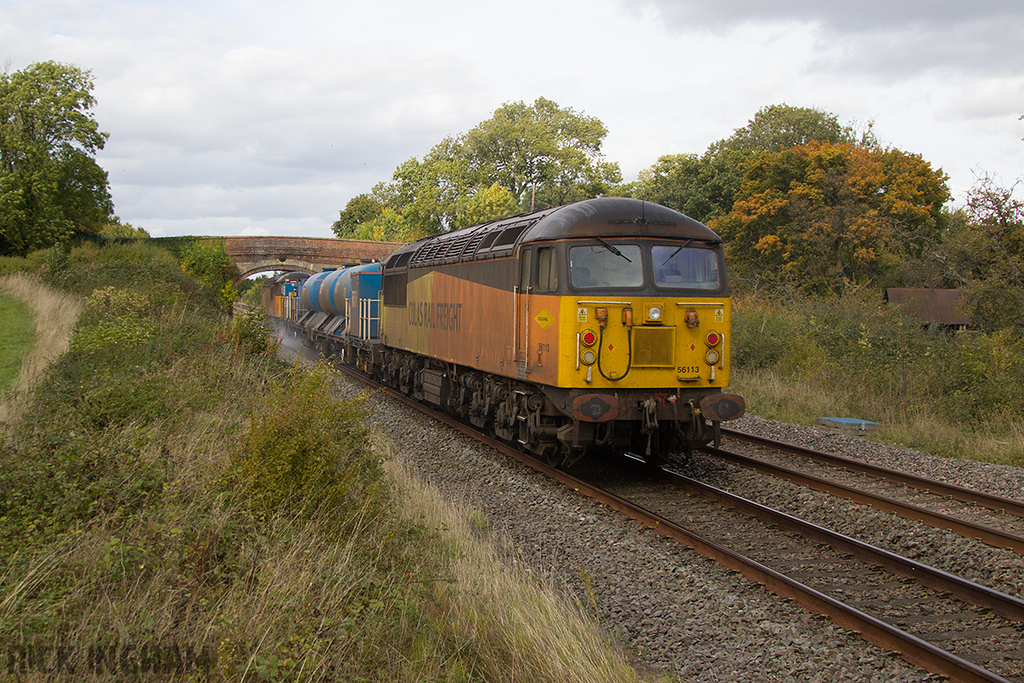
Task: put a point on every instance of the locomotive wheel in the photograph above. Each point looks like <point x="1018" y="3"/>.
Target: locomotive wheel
<point x="555" y="456"/>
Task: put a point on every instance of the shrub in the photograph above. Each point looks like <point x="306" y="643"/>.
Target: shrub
<point x="142" y="252"/>
<point x="117" y="302"/>
<point x="58" y="258"/>
<point x="876" y="362"/>
<point x="308" y="453"/>
<point x="250" y="333"/>
<point x="9" y="265"/>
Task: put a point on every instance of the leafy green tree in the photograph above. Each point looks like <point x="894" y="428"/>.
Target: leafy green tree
<point x="388" y="226"/>
<point x="780" y="126"/>
<point x="983" y="256"/>
<point x="116" y="229"/>
<point x="543" y="154"/>
<point x="700" y="187"/>
<point x="524" y="156"/>
<point x="360" y="209"/>
<point x="50" y="185"/>
<point x="209" y="263"/>
<point x="428" y="193"/>
<point x="487" y="204"/>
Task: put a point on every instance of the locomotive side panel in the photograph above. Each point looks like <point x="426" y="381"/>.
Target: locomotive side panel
<point x="539" y="343"/>
<point x="459" y="314"/>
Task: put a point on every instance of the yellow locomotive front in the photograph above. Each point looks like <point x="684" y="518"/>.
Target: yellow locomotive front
<point x="634" y="344"/>
<point x="677" y="338"/>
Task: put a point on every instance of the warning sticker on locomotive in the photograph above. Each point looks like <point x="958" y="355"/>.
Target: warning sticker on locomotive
<point x="581" y="315"/>
<point x="719" y="315"/>
<point x="544" y="319"/>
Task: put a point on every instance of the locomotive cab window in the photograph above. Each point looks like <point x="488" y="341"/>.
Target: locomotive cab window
<point x="606" y="265"/>
<point x="686" y="267"/>
<point x="547" y="270"/>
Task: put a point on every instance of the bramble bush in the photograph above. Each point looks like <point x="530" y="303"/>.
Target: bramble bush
<point x="309" y="453"/>
<point x="250" y="333"/>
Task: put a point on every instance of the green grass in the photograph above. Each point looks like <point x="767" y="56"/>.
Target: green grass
<point x="17" y="333"/>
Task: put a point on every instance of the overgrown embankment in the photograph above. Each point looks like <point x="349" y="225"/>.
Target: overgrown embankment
<point x="959" y="394"/>
<point x="178" y="505"/>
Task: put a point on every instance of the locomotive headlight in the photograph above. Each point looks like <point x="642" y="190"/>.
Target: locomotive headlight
<point x="711" y="357"/>
<point x="654" y="313"/>
<point x="588" y="357"/>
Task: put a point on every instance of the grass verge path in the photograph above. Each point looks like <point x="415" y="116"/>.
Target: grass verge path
<point x="49" y="326"/>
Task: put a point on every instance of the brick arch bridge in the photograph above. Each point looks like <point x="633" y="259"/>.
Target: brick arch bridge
<point x="308" y="254"/>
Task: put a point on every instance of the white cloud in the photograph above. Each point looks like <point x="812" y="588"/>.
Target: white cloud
<point x="225" y="115"/>
<point x="254" y="232"/>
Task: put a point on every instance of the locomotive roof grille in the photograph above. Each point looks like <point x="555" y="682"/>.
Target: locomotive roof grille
<point x="591" y="218"/>
<point x="455" y="248"/>
<point x="474" y="244"/>
<point x="509" y="236"/>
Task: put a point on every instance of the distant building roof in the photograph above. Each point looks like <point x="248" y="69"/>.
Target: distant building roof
<point x="941" y="306"/>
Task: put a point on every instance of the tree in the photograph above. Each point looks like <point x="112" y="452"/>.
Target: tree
<point x="427" y="193"/>
<point x="700" y="187"/>
<point x="50" y="185"/>
<point x="983" y="256"/>
<point x="209" y="263"/>
<point x="824" y="214"/>
<point x="780" y="126"/>
<point x="487" y="204"/>
<point x="360" y="209"/>
<point x="115" y="229"/>
<point x="703" y="187"/>
<point x="524" y="156"/>
<point x="542" y="153"/>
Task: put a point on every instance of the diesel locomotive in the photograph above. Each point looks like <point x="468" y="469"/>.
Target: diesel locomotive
<point x="604" y="323"/>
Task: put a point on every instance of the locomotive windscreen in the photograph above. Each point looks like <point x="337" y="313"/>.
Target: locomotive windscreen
<point x="685" y="268"/>
<point x="606" y="266"/>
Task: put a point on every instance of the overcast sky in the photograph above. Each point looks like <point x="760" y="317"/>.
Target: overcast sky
<point x="260" y="117"/>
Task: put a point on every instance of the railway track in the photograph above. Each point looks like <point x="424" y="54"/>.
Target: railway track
<point x="940" y="622"/>
<point x="995" y="520"/>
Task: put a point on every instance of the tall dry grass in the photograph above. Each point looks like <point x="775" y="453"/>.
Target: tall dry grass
<point x="55" y="314"/>
<point x="483" y="596"/>
<point x="772" y="395"/>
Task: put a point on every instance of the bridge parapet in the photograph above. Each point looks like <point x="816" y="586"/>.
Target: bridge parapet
<point x="260" y="254"/>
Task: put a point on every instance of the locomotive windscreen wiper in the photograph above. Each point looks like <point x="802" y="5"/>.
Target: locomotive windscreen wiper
<point x="684" y="245"/>
<point x="612" y="249"/>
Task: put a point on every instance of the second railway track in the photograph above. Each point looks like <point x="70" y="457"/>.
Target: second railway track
<point x="994" y="520"/>
<point x="946" y="624"/>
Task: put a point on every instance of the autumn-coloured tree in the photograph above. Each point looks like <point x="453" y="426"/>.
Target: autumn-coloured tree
<point x="703" y="187"/>
<point x="824" y="214"/>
